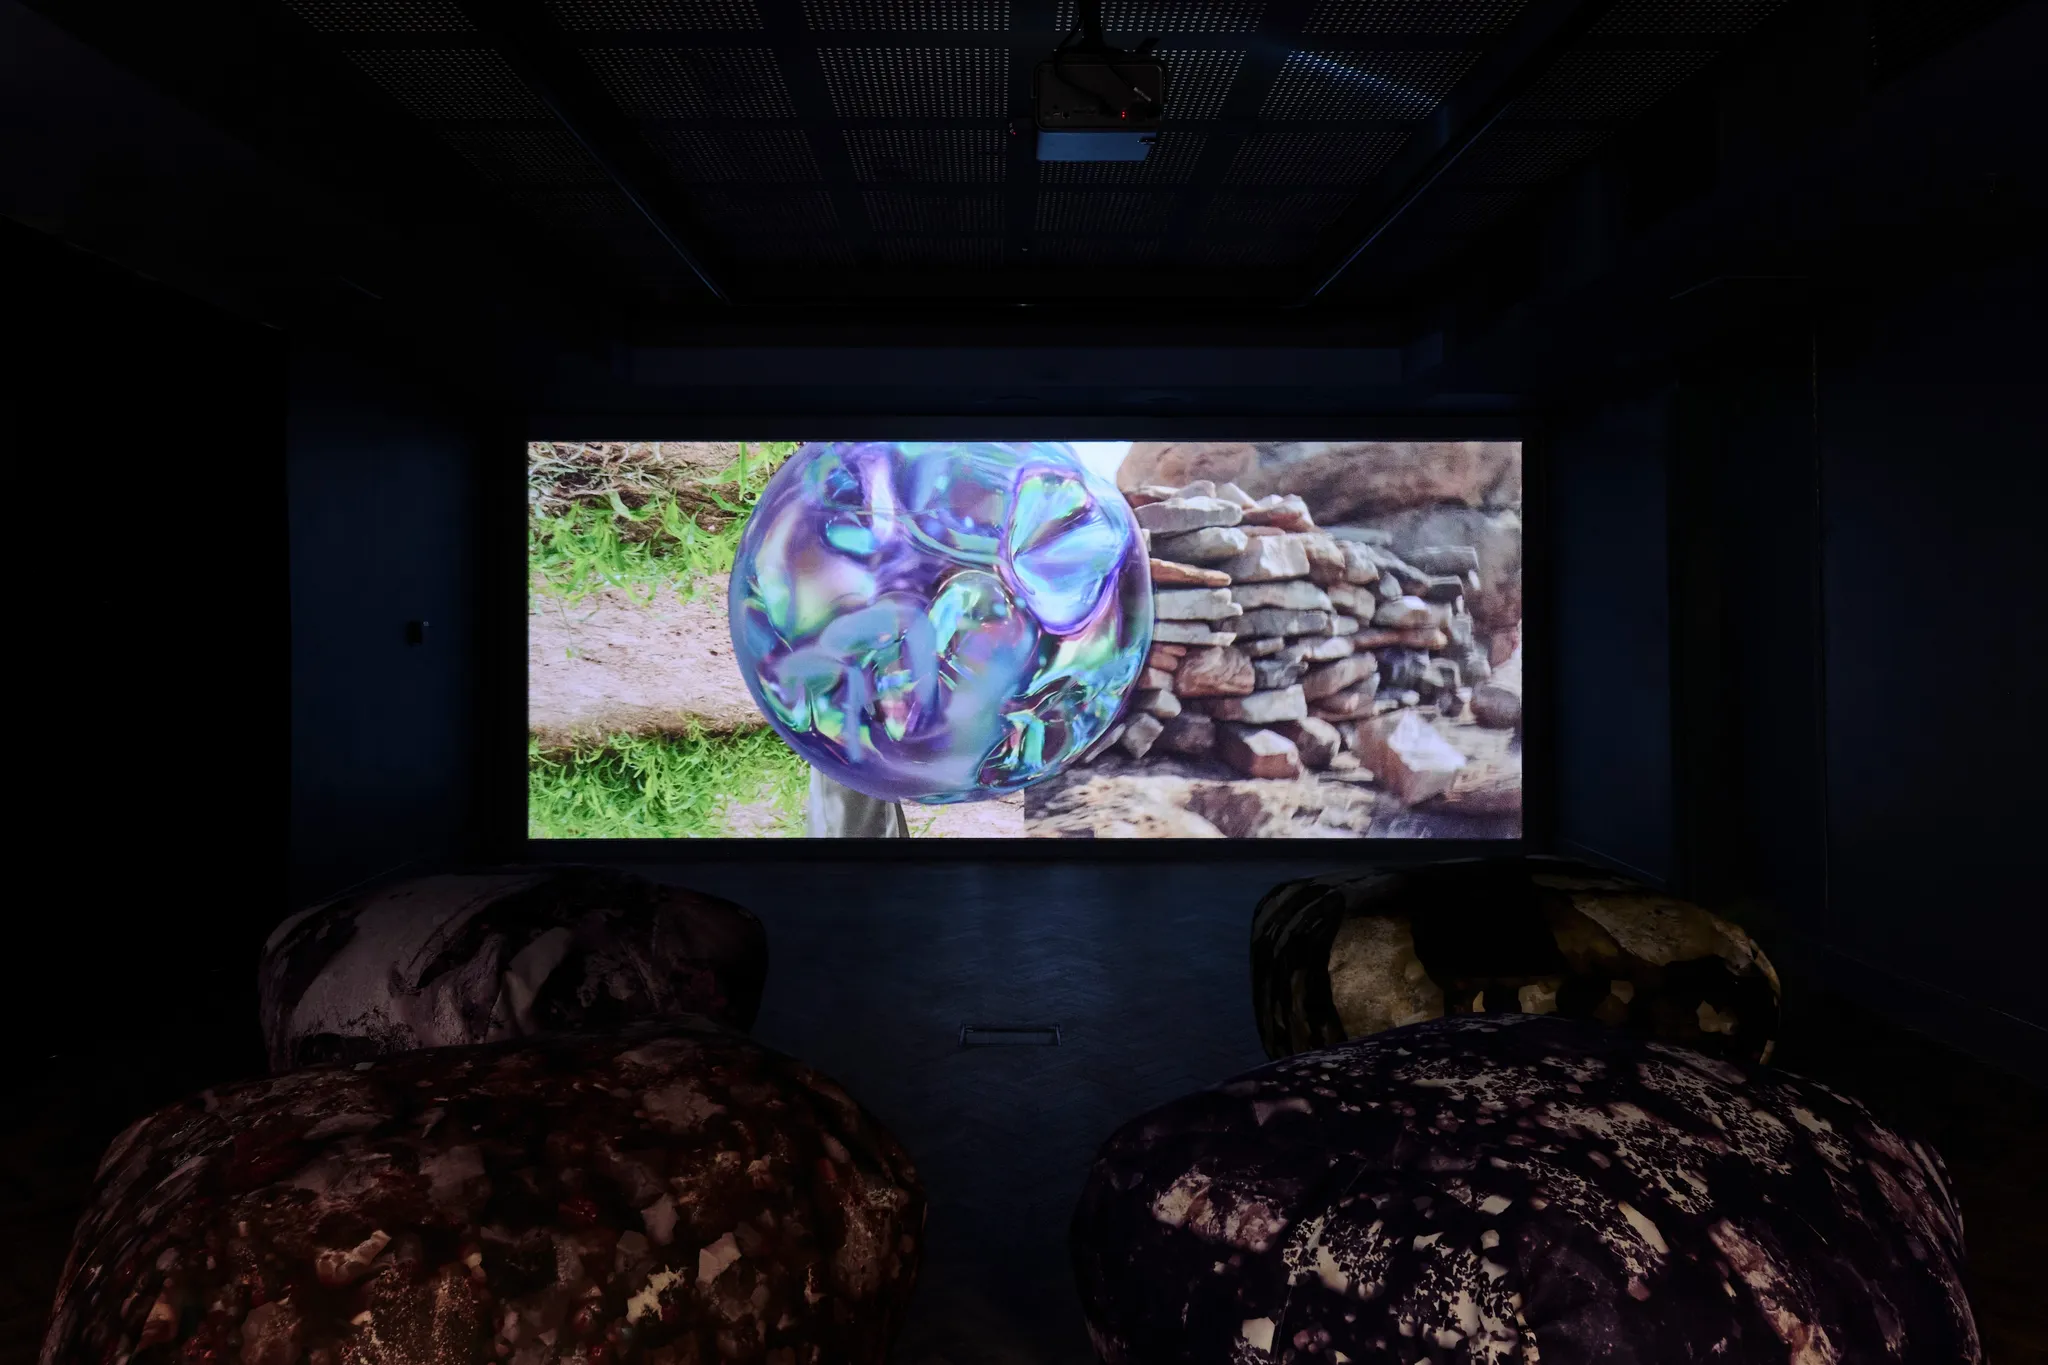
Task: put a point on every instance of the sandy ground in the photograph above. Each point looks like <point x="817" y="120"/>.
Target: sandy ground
<point x="608" y="666"/>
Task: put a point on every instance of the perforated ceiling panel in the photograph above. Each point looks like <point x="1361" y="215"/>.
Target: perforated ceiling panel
<point x="906" y="82"/>
<point x="1103" y="211"/>
<point x="1449" y="17"/>
<point x="522" y="157"/>
<point x="1097" y="250"/>
<point x="964" y="156"/>
<point x="1239" y="214"/>
<point x="1168" y="16"/>
<point x="382" y="16"/>
<point x="1364" y="84"/>
<point x="1607" y="85"/>
<point x="653" y="16"/>
<point x="680" y="82"/>
<point x="897" y="211"/>
<point x="451" y="83"/>
<point x="770" y="210"/>
<point x="737" y="156"/>
<point x="1686" y="16"/>
<point x="1172" y="161"/>
<point x="1311" y="158"/>
<point x="951" y="16"/>
<point x="982" y="251"/>
<point x="1198" y="80"/>
<point x="1510" y="156"/>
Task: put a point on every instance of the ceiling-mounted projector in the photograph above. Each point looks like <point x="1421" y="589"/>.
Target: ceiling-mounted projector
<point x="1094" y="102"/>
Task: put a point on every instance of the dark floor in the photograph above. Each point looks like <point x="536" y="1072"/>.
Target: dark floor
<point x="874" y="971"/>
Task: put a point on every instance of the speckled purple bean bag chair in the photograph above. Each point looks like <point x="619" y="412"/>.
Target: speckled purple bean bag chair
<point x="670" y="1195"/>
<point x="1493" y="1188"/>
<point x="445" y="961"/>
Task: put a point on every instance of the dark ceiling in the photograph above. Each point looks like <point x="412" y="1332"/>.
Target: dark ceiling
<point x="1405" y="176"/>
<point x="777" y="150"/>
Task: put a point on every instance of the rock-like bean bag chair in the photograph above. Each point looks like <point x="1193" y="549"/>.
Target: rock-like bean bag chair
<point x="1344" y="956"/>
<point x="450" y="960"/>
<point x="1495" y="1188"/>
<point x="668" y="1194"/>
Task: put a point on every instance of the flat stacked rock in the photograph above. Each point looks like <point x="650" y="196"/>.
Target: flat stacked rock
<point x="1343" y="956"/>
<point x="667" y="1194"/>
<point x="1512" y="1188"/>
<point x="1281" y="649"/>
<point x="451" y="960"/>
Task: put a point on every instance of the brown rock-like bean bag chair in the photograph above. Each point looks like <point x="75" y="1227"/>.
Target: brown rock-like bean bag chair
<point x="1497" y="1188"/>
<point x="450" y="960"/>
<point x="1344" y="956"/>
<point x="669" y="1194"/>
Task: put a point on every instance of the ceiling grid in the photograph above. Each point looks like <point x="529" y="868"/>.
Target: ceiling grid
<point x="881" y="148"/>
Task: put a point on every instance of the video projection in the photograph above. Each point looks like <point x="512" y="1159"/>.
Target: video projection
<point x="1025" y="639"/>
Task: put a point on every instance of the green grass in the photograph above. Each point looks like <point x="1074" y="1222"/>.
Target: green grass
<point x="631" y="787"/>
<point x="616" y="517"/>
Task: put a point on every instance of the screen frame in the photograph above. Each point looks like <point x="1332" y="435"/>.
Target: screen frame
<point x="1537" y="763"/>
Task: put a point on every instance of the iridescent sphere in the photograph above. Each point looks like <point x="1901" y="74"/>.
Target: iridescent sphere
<point x="940" y="621"/>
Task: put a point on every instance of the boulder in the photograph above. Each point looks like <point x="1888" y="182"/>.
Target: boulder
<point x="1364" y="480"/>
<point x="1294" y="595"/>
<point x="665" y="1193"/>
<point x="1189" y="733"/>
<point x="1352" y="599"/>
<point x="1442" y="588"/>
<point x="1199" y="488"/>
<point x="1360" y="566"/>
<point x="1325" y="679"/>
<point x="1190" y="633"/>
<point x="1214" y="673"/>
<point x="1165" y="656"/>
<point x="1177" y="463"/>
<point x="1496" y="707"/>
<point x="448" y="960"/>
<point x="1155" y="679"/>
<point x="1280" y="621"/>
<point x="1260" y="708"/>
<point x="1166" y="574"/>
<point x="1443" y="559"/>
<point x="1268" y="557"/>
<point x="1344" y="625"/>
<point x="1413" y="761"/>
<point x="1350" y="703"/>
<point x="1491" y="1188"/>
<point x="1495" y="538"/>
<point x="1405" y="613"/>
<point x="1138" y="497"/>
<point x="1326" y="566"/>
<point x="1178" y="516"/>
<point x="1283" y="510"/>
<point x="1319" y="649"/>
<point x="1232" y="493"/>
<point x="1262" y="646"/>
<point x="1139" y="733"/>
<point x="1158" y="703"/>
<point x="1210" y="545"/>
<point x="1315" y="740"/>
<point x="1257" y="753"/>
<point x="1268" y="674"/>
<point x="1194" y="604"/>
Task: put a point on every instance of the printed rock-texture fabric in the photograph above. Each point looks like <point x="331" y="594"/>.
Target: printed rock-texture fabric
<point x="1494" y="1188"/>
<point x="669" y="1194"/>
<point x="452" y="960"/>
<point x="1344" y="956"/>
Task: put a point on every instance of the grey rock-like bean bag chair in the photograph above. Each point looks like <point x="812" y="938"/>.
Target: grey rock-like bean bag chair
<point x="1494" y="1188"/>
<point x="1347" y="955"/>
<point x="461" y="959"/>
<point x="669" y="1194"/>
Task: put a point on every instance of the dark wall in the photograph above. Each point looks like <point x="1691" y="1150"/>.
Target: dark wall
<point x="1850" y="758"/>
<point x="1933" y="435"/>
<point x="387" y="492"/>
<point x="148" y="593"/>
<point x="1611" y="642"/>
